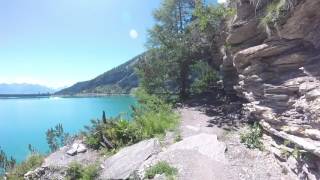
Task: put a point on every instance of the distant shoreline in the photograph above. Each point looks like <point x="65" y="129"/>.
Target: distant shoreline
<point x="92" y="95"/>
<point x="24" y="95"/>
<point x="9" y="96"/>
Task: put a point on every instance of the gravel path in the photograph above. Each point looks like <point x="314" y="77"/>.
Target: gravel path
<point x="241" y="163"/>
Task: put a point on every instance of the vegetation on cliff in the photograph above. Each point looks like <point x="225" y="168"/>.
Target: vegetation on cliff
<point x="18" y="171"/>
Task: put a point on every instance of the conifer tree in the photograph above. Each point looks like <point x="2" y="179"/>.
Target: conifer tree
<point x="104" y="119"/>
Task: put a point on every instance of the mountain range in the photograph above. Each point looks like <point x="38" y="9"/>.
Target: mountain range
<point x="119" y="80"/>
<point x="24" y="88"/>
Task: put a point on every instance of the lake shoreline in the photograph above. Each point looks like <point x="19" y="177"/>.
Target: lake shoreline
<point x="17" y="96"/>
<point x="25" y="120"/>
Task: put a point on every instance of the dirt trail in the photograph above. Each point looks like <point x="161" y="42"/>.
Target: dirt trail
<point x="242" y="163"/>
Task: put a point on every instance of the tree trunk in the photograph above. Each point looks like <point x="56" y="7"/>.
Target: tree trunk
<point x="184" y="68"/>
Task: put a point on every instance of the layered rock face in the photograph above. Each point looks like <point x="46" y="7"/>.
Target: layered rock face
<point x="279" y="73"/>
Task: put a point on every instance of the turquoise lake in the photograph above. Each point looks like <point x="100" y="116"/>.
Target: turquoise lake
<point x="25" y="121"/>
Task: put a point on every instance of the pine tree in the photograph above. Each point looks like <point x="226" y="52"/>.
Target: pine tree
<point x="104" y="119"/>
<point x="169" y="60"/>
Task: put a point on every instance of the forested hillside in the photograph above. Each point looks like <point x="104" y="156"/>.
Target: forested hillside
<point x="119" y="80"/>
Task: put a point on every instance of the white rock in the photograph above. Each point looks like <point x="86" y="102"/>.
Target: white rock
<point x="81" y="148"/>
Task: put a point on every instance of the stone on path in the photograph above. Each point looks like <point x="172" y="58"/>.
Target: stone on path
<point x="196" y="157"/>
<point x="123" y="164"/>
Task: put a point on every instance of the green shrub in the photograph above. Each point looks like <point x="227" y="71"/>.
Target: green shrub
<point x="56" y="137"/>
<point x="77" y="172"/>
<point x="92" y="141"/>
<point x="210" y="17"/>
<point x="6" y="163"/>
<point x="155" y="123"/>
<point x="150" y="118"/>
<point x="74" y="171"/>
<point x="118" y="131"/>
<point x="161" y="167"/>
<point x="275" y="13"/>
<point x="32" y="162"/>
<point x="205" y="77"/>
<point x="153" y="116"/>
<point x="252" y="138"/>
<point x="89" y="172"/>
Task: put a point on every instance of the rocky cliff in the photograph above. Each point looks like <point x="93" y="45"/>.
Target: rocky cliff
<point x="274" y="48"/>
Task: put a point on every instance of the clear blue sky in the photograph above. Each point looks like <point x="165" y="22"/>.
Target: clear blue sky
<point x="60" y="42"/>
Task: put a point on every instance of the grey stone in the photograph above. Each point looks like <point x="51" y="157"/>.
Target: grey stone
<point x="35" y="174"/>
<point x="123" y="164"/>
<point x="312" y="95"/>
<point x="76" y="148"/>
<point x="81" y="148"/>
<point x="200" y="156"/>
<point x="243" y="32"/>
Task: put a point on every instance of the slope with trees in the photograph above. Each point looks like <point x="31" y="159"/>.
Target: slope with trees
<point x="119" y="80"/>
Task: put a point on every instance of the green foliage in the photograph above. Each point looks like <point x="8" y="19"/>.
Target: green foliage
<point x="206" y="77"/>
<point x="76" y="171"/>
<point x="169" y="42"/>
<point x="118" y="131"/>
<point x="161" y="167"/>
<point x="185" y="33"/>
<point x="119" y="80"/>
<point x="6" y="163"/>
<point x="151" y="117"/>
<point x="56" y="137"/>
<point x="210" y="17"/>
<point x="276" y="11"/>
<point x="252" y="138"/>
<point x="32" y="162"/>
<point x="93" y="141"/>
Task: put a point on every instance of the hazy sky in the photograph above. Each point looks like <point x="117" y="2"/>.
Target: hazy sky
<point x="60" y="42"/>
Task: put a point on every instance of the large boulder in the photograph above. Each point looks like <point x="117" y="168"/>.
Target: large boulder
<point x="200" y="156"/>
<point x="123" y="164"/>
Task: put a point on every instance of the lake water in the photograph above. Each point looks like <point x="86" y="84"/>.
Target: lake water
<point x="25" y="121"/>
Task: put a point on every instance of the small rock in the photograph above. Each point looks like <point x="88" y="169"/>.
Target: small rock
<point x="72" y="151"/>
<point x="35" y="174"/>
<point x="160" y="177"/>
<point x="76" y="149"/>
<point x="81" y="148"/>
<point x="313" y="94"/>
